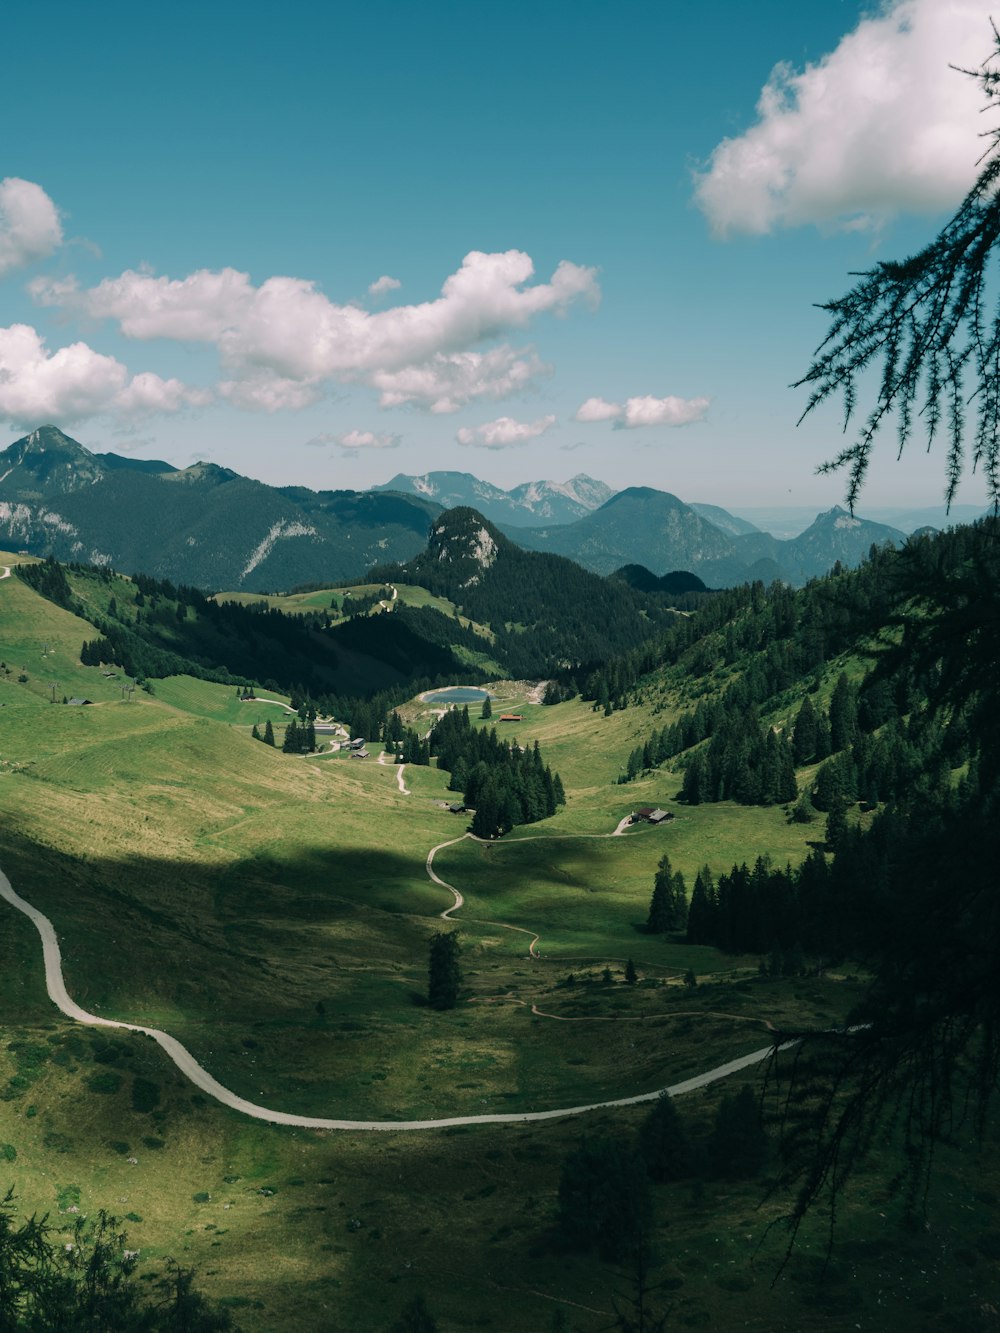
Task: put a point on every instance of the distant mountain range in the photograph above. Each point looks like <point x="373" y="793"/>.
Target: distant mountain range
<point x="655" y="529"/>
<point x="532" y="503"/>
<point x="209" y="527"/>
<point x="203" y="525"/>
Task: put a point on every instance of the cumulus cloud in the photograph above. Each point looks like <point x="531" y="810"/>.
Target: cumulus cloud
<point x="504" y="433"/>
<point x="445" y="383"/>
<point x="383" y="285"/>
<point x="29" y="224"/>
<point x="597" y="409"/>
<point x="879" y="125"/>
<point x="644" y="410"/>
<point x="670" y="411"/>
<point x="282" y="341"/>
<point x="76" y="382"/>
<point x="366" y="439"/>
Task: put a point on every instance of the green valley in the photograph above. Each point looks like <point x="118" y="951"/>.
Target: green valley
<point x="273" y="913"/>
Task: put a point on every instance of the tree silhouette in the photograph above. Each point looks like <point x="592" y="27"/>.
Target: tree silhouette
<point x="445" y="975"/>
<point x="921" y="1052"/>
<point x="925" y="326"/>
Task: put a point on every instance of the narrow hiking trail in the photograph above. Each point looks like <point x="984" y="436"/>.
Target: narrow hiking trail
<point x="56" y="987"/>
<point x="399" y="774"/>
<point x="446" y="915"/>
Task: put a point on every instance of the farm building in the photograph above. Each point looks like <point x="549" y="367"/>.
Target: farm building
<point x="78" y="703"/>
<point x="646" y="814"/>
<point x="510" y="717"/>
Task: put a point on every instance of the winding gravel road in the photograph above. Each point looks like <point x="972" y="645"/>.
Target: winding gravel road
<point x="201" y="1078"/>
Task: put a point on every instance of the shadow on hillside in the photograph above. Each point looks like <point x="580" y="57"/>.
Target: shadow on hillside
<point x="263" y="932"/>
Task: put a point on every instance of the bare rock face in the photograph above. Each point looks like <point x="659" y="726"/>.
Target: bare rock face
<point x="531" y="503"/>
<point x="464" y="540"/>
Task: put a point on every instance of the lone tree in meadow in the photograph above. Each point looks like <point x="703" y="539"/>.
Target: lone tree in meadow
<point x="444" y="975"/>
<point x="487" y="712"/>
<point x="663" y="1142"/>
<point x="604" y="1199"/>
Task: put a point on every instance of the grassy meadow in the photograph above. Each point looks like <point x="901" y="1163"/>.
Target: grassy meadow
<point x="273" y="913"/>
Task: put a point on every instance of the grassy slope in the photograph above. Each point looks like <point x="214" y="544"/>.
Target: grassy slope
<point x="273" y="913"/>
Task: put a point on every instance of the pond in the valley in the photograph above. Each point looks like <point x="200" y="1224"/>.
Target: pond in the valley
<point x="455" y="694"/>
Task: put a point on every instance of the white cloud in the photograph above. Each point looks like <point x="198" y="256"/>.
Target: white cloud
<point x="879" y="125"/>
<point x="383" y="285"/>
<point x="670" y="411"/>
<point x="280" y="342"/>
<point x="29" y="224"/>
<point x="367" y="439"/>
<point x="264" y="391"/>
<point x="504" y="432"/>
<point x="76" y="382"/>
<point x="597" y="409"/>
<point x="644" y="410"/>
<point x="199" y="308"/>
<point x="446" y="383"/>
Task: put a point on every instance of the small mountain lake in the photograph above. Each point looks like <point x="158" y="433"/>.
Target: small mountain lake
<point x="456" y="694"/>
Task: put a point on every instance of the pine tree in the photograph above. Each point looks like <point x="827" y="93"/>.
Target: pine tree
<point x="415" y="1318"/>
<point x="290" y="744"/>
<point x="631" y="975"/>
<point x="604" y="1199"/>
<point x="444" y="973"/>
<point x="268" y="733"/>
<point x="804" y="735"/>
<point x="738" y="1145"/>
<point x="254" y="732"/>
<point x="843" y="714"/>
<point x="658" y="920"/>
<point x="487" y="712"/>
<point x="703" y="912"/>
<point x="663" y="1142"/>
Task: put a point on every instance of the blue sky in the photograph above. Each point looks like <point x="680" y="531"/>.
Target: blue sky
<point x="600" y="230"/>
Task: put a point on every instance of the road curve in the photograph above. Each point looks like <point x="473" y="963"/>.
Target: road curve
<point x="459" y="900"/>
<point x="202" y="1079"/>
<point x="6" y="572"/>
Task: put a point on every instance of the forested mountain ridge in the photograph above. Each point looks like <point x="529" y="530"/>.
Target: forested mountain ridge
<point x="203" y="526"/>
<point x="545" y="612"/>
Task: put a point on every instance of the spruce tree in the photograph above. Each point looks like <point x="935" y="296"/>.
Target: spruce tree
<point x="487" y="712"/>
<point x="663" y="1142"/>
<point x="415" y="1318"/>
<point x="701" y="923"/>
<point x="804" y="734"/>
<point x="268" y="733"/>
<point x="604" y="1199"/>
<point x="843" y="714"/>
<point x="444" y="973"/>
<point x="738" y="1145"/>
<point x="658" y="920"/>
